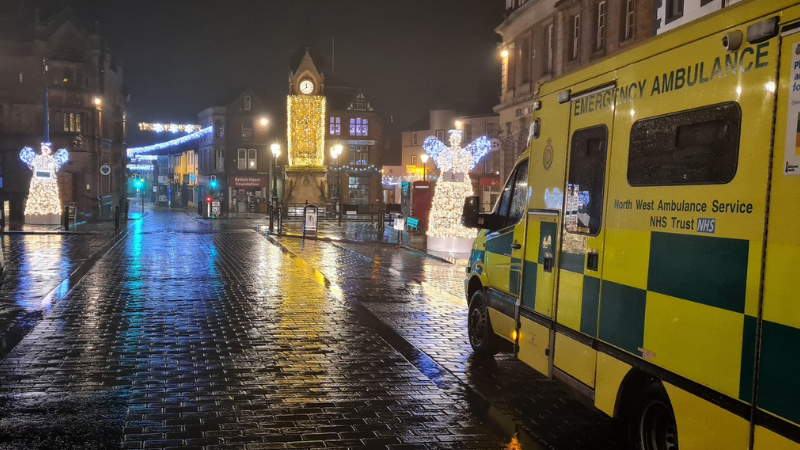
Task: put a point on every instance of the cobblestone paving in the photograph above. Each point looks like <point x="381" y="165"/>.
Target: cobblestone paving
<point x="37" y="263"/>
<point x="185" y="336"/>
<point x="422" y="299"/>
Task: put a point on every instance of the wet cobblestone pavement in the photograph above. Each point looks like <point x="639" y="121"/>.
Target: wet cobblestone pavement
<point x="187" y="334"/>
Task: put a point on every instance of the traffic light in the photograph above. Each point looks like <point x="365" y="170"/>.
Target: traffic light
<point x="137" y="180"/>
<point x="213" y="183"/>
<point x="208" y="199"/>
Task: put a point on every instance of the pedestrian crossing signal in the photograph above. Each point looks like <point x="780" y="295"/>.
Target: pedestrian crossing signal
<point x="213" y="182"/>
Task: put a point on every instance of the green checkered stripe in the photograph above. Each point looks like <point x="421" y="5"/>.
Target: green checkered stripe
<point x="707" y="270"/>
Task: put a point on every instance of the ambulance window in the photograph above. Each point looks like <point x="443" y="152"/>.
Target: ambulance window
<point x="514" y="199"/>
<point x="698" y="146"/>
<point x="519" y="199"/>
<point x="586" y="180"/>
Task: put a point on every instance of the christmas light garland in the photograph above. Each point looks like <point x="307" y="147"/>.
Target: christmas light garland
<point x="172" y="143"/>
<point x="171" y="127"/>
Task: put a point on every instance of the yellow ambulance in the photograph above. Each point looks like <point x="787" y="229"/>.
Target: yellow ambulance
<point x="645" y="250"/>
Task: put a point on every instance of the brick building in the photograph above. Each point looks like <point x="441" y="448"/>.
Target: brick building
<point x="87" y="110"/>
<point x="544" y="39"/>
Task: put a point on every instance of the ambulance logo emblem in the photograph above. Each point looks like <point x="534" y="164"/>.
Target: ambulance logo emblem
<point x="547" y="156"/>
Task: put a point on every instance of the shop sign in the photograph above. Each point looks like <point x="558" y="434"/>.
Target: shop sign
<point x="248" y="182"/>
<point x="489" y="182"/>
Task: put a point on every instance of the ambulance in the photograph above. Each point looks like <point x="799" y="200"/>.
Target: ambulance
<point x="645" y="250"/>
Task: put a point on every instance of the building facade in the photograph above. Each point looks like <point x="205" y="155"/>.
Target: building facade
<point x="353" y="179"/>
<point x="87" y="111"/>
<point x="544" y="39"/>
<point x="671" y="14"/>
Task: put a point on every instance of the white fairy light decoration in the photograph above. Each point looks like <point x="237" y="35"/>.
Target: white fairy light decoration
<point x="43" y="197"/>
<point x="454" y="184"/>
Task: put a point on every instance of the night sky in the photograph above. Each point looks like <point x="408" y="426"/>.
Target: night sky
<point x="182" y="56"/>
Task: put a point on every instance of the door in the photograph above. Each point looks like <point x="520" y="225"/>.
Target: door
<point x="580" y="260"/>
<point x="504" y="250"/>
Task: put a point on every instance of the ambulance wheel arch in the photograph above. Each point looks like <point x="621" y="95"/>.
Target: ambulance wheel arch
<point x="644" y="407"/>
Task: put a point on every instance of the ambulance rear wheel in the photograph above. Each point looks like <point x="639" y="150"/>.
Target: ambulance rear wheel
<point x="481" y="337"/>
<point x="651" y="423"/>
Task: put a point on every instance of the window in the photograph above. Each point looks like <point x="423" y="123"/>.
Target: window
<point x="359" y="127"/>
<point x="674" y="10"/>
<point x="241" y="161"/>
<point x="219" y="130"/>
<point x="575" y="43"/>
<point x="510" y="70"/>
<point x="72" y="122"/>
<point x="336" y="126"/>
<point x="252" y="162"/>
<point x="247" y="103"/>
<point x="360" y="104"/>
<point x="488" y="163"/>
<point x="489" y="129"/>
<point x="247" y="131"/>
<point x="698" y="146"/>
<point x="548" y="49"/>
<point x="629" y="20"/>
<point x="220" y="160"/>
<point x="1" y="178"/>
<point x="413" y="160"/>
<point x="600" y="35"/>
<point x="467" y="133"/>
<point x="525" y="59"/>
<point x="359" y="190"/>
<point x="586" y="180"/>
<point x="414" y="138"/>
<point x="514" y="199"/>
<point x="440" y="135"/>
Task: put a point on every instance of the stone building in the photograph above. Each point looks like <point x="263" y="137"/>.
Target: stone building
<point x="350" y="120"/>
<point x="544" y="39"/>
<point x="87" y="110"/>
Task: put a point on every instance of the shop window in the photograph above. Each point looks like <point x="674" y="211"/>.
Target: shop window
<point x="359" y="190"/>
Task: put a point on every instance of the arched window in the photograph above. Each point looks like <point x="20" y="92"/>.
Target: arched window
<point x="247" y="103"/>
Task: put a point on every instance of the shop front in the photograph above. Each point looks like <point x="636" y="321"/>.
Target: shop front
<point x="490" y="191"/>
<point x="248" y="194"/>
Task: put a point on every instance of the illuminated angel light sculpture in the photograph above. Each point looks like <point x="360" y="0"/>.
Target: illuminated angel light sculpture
<point x="43" y="199"/>
<point x="445" y="232"/>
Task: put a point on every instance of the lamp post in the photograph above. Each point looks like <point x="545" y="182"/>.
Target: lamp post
<point x="424" y="158"/>
<point x="336" y="151"/>
<point x="276" y="151"/>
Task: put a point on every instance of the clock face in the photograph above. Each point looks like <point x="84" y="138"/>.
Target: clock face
<point x="306" y="86"/>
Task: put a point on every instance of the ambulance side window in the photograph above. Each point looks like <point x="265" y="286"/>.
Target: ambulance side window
<point x="586" y="180"/>
<point x="698" y="146"/>
<point x="514" y="200"/>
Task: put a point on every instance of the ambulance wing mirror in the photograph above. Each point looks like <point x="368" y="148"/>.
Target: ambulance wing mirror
<point x="471" y="214"/>
<point x="472" y="218"/>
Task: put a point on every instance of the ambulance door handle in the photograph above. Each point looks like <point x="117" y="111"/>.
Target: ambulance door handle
<point x="548" y="263"/>
<point x="592" y="260"/>
<point x="516" y="246"/>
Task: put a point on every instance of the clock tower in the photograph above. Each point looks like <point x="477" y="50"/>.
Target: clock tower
<point x="306" y="174"/>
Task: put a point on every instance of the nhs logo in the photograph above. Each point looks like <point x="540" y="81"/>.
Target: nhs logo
<point x="706" y="225"/>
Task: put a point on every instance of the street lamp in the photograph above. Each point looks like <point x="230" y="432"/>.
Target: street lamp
<point x="424" y="158"/>
<point x="336" y="151"/>
<point x="276" y="151"/>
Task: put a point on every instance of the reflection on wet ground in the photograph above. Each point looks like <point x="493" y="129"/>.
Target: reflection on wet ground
<point x="182" y="335"/>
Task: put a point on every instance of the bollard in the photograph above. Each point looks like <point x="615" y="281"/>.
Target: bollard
<point x="116" y="219"/>
<point x="66" y="217"/>
<point x="280" y="219"/>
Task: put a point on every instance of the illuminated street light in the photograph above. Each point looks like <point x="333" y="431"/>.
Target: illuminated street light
<point x="504" y="53"/>
<point x="424" y="158"/>
<point x="276" y="151"/>
<point x="98" y="101"/>
<point x="264" y="121"/>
